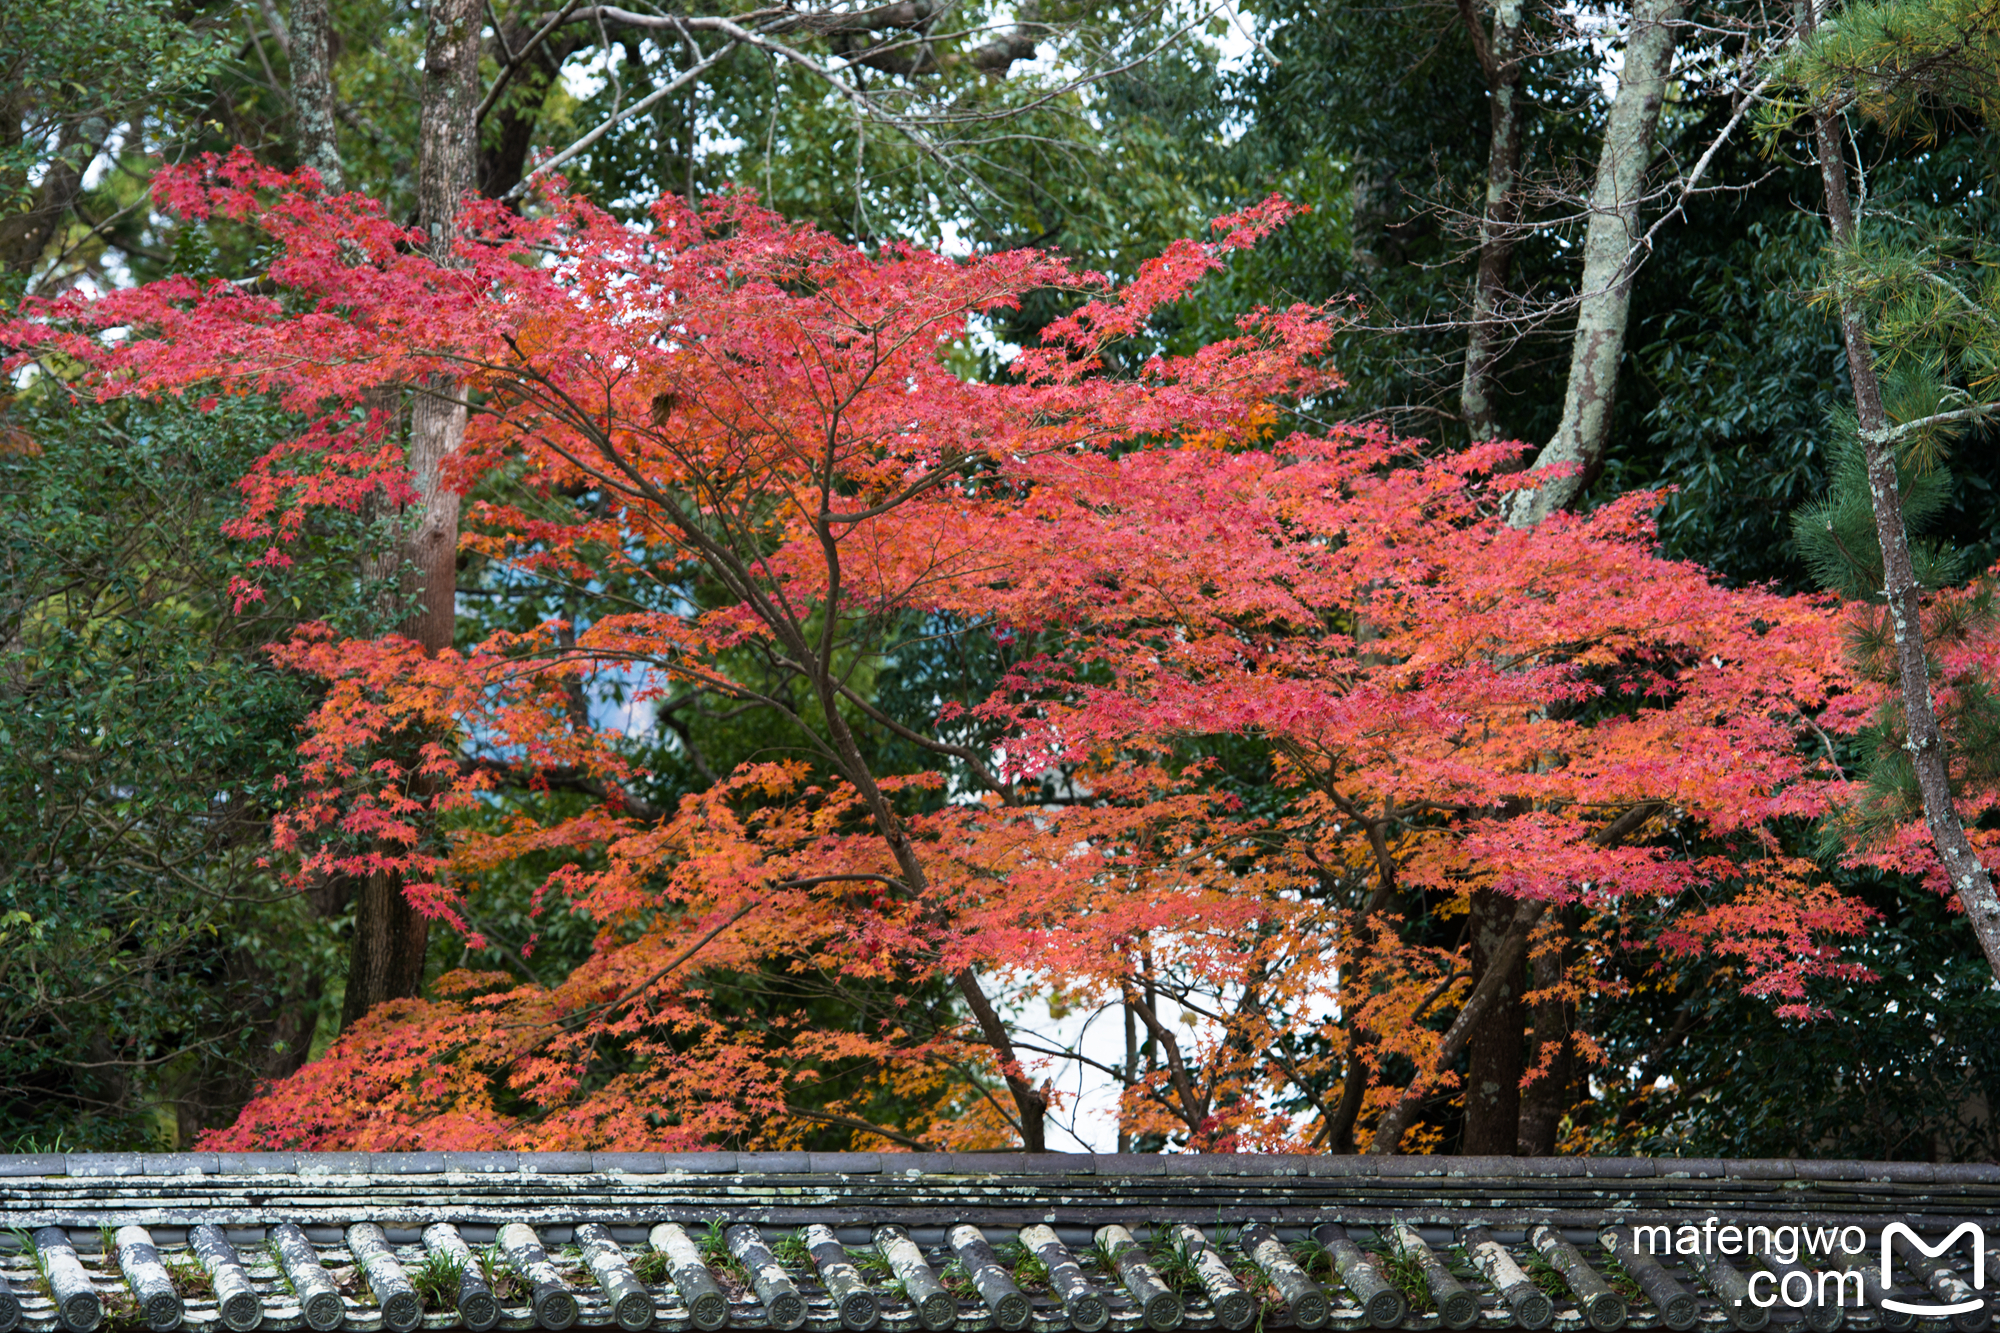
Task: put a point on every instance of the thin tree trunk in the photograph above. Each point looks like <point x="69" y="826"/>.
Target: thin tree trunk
<point x="1545" y="1101"/>
<point x="1506" y="956"/>
<point x="1493" y="1046"/>
<point x="311" y="54"/>
<point x="1500" y="57"/>
<point x="391" y="938"/>
<point x="26" y="235"/>
<point x="1609" y="260"/>
<point x="1925" y="741"/>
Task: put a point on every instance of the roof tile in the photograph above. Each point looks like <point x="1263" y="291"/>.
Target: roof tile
<point x="258" y="1163"/>
<point x="634" y="1163"/>
<point x="34" y="1164"/>
<point x="482" y="1163"/>
<point x="1619" y="1168"/>
<point x="845" y="1163"/>
<point x="1761" y="1168"/>
<point x="556" y="1163"/>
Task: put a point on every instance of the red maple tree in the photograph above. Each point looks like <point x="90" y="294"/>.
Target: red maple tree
<point x="1452" y="705"/>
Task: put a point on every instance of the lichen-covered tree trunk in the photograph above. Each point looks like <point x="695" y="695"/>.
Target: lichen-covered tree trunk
<point x="391" y="938"/>
<point x="1610" y="255"/>
<point x="1924" y="741"/>
<point x="312" y="90"/>
<point x="1500" y="56"/>
<point x="1494" y="1065"/>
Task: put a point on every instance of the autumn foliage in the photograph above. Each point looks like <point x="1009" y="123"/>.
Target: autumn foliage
<point x="1450" y="704"/>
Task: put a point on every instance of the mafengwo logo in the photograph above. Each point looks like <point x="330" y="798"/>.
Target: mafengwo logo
<point x="1830" y="1275"/>
<point x="1895" y="1229"/>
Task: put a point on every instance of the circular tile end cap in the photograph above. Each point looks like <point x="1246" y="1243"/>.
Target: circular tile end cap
<point x="1533" y="1308"/>
<point x="859" y="1312"/>
<point x="1235" y="1309"/>
<point x="634" y="1311"/>
<point x="323" y="1311"/>
<point x="1012" y="1311"/>
<point x="939" y="1312"/>
<point x="787" y="1311"/>
<point x="81" y="1312"/>
<point x="708" y="1311"/>
<point x="1088" y="1313"/>
<point x="241" y="1311"/>
<point x="1310" y="1310"/>
<point x="1748" y="1317"/>
<point x="163" y="1312"/>
<point x="1606" y="1312"/>
<point x="1387" y="1307"/>
<point x="1459" y="1310"/>
<point x="479" y="1310"/>
<point x="555" y="1309"/>
<point x="1164" y="1312"/>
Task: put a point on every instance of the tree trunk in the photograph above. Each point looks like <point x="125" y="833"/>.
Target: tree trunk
<point x="26" y="235"/>
<point x="1500" y="57"/>
<point x="1493" y="1046"/>
<point x="1925" y="740"/>
<point x="1508" y="951"/>
<point x="1610" y="257"/>
<point x="386" y="960"/>
<point x="312" y="91"/>
<point x="1546" y="1100"/>
<point x="1507" y="954"/>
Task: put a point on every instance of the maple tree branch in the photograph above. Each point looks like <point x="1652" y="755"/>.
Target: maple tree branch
<point x="1193" y="1108"/>
<point x="610" y="122"/>
<point x="518" y="58"/>
<point x="589" y="1011"/>
<point x="855" y="1122"/>
<point x="961" y="752"/>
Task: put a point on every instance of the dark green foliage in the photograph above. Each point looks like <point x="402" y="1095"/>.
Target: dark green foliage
<point x="156" y="968"/>
<point x="1901" y="1068"/>
<point x="1836" y="535"/>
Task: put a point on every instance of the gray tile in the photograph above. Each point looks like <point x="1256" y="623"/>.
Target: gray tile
<point x="1127" y="1164"/>
<point x="482" y="1163"/>
<point x="409" y="1163"/>
<point x="106" y="1164"/>
<point x="1760" y="1168"/>
<point x="258" y="1163"/>
<point x="845" y="1163"/>
<point x="631" y="1163"/>
<point x="700" y="1163"/>
<point x="1501" y="1168"/>
<point x="179" y="1163"/>
<point x="34" y="1164"/>
<point x="1620" y="1168"/>
<point x="1550" y="1167"/>
<point x="556" y="1163"/>
<point x="336" y="1163"/>
<point x="773" y="1163"/>
<point x="1692" y="1168"/>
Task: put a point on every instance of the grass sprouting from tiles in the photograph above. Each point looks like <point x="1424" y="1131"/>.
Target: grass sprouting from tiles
<point x="1542" y="1273"/>
<point x="508" y="1285"/>
<point x="1030" y="1274"/>
<point x="437" y="1280"/>
<point x="190" y="1279"/>
<point x="652" y="1267"/>
<point x="1403" y="1270"/>
<point x="1174" y="1262"/>
<point x="1621" y="1281"/>
<point x="790" y="1250"/>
